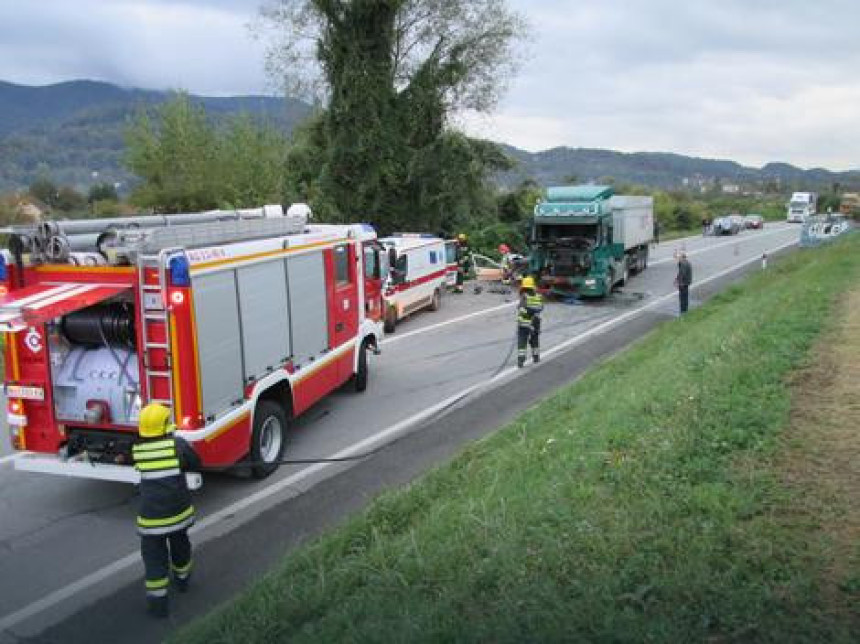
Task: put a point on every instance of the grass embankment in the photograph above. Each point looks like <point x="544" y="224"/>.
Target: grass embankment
<point x="640" y="503"/>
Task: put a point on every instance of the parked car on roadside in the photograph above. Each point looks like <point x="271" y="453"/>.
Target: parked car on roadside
<point x="754" y="221"/>
<point x="728" y="225"/>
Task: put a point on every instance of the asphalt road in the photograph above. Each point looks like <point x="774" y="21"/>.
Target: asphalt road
<point x="67" y="544"/>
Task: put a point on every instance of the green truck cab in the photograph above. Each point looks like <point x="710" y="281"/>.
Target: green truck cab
<point x="586" y="239"/>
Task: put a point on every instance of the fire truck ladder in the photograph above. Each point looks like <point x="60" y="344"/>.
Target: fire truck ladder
<point x="155" y="321"/>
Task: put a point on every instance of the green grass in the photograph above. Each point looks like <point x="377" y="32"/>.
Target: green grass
<point x="635" y="505"/>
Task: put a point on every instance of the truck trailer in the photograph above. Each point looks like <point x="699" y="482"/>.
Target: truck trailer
<point x="586" y="239"/>
<point x="236" y="321"/>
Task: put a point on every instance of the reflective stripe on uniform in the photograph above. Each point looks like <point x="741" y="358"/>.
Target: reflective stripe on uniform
<point x="188" y="512"/>
<point x="162" y="464"/>
<point x="145" y="447"/>
<point x="155" y="453"/>
<point x="154" y="532"/>
<point x="160" y="474"/>
<point x="534" y="301"/>
<point x="155" y="584"/>
<point x="181" y="570"/>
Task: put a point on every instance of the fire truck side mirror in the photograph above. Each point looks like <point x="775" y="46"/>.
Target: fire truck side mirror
<point x="392" y="257"/>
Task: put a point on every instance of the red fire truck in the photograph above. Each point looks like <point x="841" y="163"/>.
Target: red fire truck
<point x="238" y="321"/>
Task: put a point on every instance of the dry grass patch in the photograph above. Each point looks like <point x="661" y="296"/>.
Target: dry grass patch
<point x="821" y="460"/>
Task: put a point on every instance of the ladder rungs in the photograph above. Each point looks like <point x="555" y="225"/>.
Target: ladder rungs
<point x="155" y="345"/>
<point x="155" y="315"/>
<point x="157" y="374"/>
<point x="151" y="287"/>
<point x="161" y="401"/>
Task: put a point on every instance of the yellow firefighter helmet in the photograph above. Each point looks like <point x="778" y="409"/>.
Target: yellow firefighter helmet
<point x="154" y="419"/>
<point x="462" y="238"/>
<point x="528" y="282"/>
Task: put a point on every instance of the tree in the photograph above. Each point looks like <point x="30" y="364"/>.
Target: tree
<point x="251" y="159"/>
<point x="45" y="191"/>
<point x="389" y="73"/>
<point x="175" y="157"/>
<point x="187" y="164"/>
<point x="70" y="200"/>
<point x="469" y="45"/>
<point x="102" y="192"/>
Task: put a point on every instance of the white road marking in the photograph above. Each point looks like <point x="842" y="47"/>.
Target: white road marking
<point x="439" y="325"/>
<point x="62" y="594"/>
<point x="10" y="457"/>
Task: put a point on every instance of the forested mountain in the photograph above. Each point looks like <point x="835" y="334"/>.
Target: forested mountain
<point x="73" y="133"/>
<point x="664" y="170"/>
<point x="69" y="131"/>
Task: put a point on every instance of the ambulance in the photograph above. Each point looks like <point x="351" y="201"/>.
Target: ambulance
<point x="418" y="275"/>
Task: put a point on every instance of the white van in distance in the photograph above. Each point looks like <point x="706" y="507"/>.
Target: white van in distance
<point x="417" y="277"/>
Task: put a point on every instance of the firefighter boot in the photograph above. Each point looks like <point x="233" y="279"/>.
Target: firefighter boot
<point x="182" y="582"/>
<point x="535" y="357"/>
<point x="521" y="362"/>
<point x="158" y="606"/>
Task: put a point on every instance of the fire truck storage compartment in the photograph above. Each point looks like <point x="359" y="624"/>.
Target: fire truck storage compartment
<point x="253" y="319"/>
<point x="94" y="365"/>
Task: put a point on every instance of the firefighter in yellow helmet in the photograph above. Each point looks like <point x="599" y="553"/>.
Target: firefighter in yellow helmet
<point x="166" y="511"/>
<point x="464" y="261"/>
<point x="528" y="321"/>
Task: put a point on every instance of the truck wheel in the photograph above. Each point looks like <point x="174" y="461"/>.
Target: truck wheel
<point x="359" y="380"/>
<point x="390" y="322"/>
<point x="436" y="300"/>
<point x="268" y="438"/>
<point x="625" y="274"/>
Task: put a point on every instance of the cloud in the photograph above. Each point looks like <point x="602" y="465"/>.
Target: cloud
<point x="751" y="80"/>
<point x="202" y="46"/>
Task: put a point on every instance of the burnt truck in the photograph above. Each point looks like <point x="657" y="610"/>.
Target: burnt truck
<point x="586" y="240"/>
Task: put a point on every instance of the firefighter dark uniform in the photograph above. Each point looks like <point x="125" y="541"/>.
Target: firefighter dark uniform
<point x="528" y="321"/>
<point x="464" y="261"/>
<point x="166" y="511"/>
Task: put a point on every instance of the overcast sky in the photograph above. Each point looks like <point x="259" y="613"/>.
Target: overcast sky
<point x="749" y="80"/>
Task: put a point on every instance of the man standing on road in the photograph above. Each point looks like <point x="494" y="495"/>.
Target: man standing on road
<point x="165" y="512"/>
<point x="464" y="261"/>
<point x="528" y="321"/>
<point x="683" y="281"/>
<point x="656" y="231"/>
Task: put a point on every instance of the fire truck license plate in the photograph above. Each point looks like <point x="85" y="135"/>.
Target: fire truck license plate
<point x="27" y="393"/>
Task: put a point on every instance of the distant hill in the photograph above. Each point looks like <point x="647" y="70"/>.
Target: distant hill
<point x="72" y="130"/>
<point x="664" y="170"/>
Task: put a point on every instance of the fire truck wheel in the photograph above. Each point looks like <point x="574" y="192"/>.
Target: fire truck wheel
<point x="359" y="380"/>
<point x="436" y="300"/>
<point x="390" y="320"/>
<point x="268" y="438"/>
